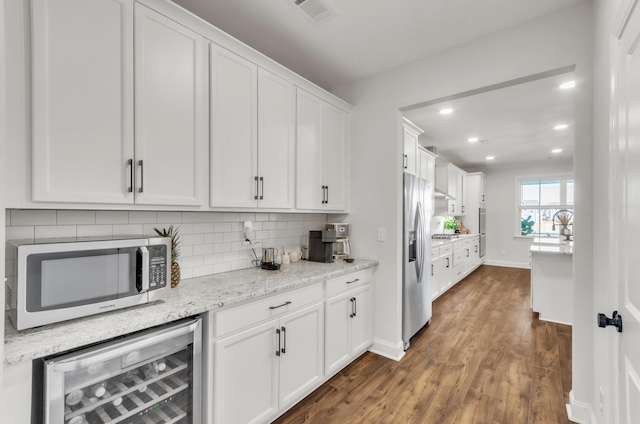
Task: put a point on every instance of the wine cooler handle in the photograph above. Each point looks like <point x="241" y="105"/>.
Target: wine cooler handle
<point x="113" y="351"/>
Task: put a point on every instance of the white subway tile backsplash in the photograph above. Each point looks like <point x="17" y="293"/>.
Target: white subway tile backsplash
<point x="168" y="217"/>
<point x="33" y="217"/>
<point x="112" y="217"/>
<point x="142" y="217"/>
<point x="95" y="230"/>
<point x="20" y="233"/>
<point x="55" y="231"/>
<point x="211" y="242"/>
<point x="75" y="217"/>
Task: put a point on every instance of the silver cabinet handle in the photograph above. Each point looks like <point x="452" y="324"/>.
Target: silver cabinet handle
<point x="284" y="335"/>
<point x="140" y="163"/>
<point x="327" y="201"/>
<point x="353" y="314"/>
<point x="130" y="164"/>
<point x="355" y="306"/>
<point x="354" y="281"/>
<point x="279" y="341"/>
<point x="261" y="188"/>
<point x="256" y="180"/>
<point x="280" y="306"/>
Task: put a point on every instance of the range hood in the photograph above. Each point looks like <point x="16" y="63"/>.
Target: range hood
<point x="442" y="195"/>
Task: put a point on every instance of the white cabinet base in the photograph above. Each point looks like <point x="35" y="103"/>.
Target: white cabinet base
<point x="552" y="287"/>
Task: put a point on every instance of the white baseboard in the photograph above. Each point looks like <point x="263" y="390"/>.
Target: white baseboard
<point x="388" y="350"/>
<point x="524" y="265"/>
<point x="579" y="412"/>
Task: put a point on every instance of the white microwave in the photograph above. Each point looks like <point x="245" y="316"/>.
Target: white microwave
<point x="62" y="279"/>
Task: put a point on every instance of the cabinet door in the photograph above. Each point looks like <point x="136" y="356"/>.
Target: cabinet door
<point x="170" y="111"/>
<point x="410" y="151"/>
<point x="447" y="275"/>
<point x="82" y="100"/>
<point x="245" y="386"/>
<point x="337" y="332"/>
<point x="302" y="353"/>
<point x="276" y="141"/>
<point x="436" y="276"/>
<point x="335" y="157"/>
<point x="234" y="157"/>
<point x="310" y="151"/>
<point x="361" y="322"/>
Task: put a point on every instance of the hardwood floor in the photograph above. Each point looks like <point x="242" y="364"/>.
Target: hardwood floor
<point x="483" y="359"/>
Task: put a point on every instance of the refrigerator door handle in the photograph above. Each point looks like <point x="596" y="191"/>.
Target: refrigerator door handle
<point x="420" y="241"/>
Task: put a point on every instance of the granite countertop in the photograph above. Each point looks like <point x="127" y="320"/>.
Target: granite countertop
<point x="191" y="297"/>
<point x="439" y="242"/>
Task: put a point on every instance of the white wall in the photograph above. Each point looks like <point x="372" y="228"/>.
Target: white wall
<point x="550" y="42"/>
<point x="503" y="248"/>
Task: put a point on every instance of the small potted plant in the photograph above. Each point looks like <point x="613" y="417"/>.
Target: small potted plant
<point x="175" y="252"/>
<point x="450" y="225"/>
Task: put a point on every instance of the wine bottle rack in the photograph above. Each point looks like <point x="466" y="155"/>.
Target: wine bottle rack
<point x="147" y="399"/>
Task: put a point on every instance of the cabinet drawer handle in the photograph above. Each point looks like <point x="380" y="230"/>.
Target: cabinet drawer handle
<point x="327" y="201"/>
<point x="432" y="270"/>
<point x="280" y="306"/>
<point x="447" y="262"/>
<point x="404" y="161"/>
<point x="130" y="164"/>
<point x="279" y="345"/>
<point x="141" y="176"/>
<point x="467" y="253"/>
<point x="353" y="314"/>
<point x="354" y="281"/>
<point x="355" y="306"/>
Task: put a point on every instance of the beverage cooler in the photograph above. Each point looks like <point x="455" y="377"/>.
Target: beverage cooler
<point x="153" y="376"/>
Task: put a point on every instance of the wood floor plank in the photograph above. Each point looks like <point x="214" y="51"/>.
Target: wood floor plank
<point x="484" y="358"/>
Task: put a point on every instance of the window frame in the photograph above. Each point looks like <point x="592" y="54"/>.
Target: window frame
<point x="562" y="177"/>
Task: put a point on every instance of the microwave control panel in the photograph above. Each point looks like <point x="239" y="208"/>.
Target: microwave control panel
<point x="157" y="266"/>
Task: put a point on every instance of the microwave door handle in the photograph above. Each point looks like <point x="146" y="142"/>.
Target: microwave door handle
<point x="145" y="269"/>
<point x="110" y="352"/>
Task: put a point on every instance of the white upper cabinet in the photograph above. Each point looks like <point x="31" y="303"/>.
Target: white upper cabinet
<point x="234" y="134"/>
<point x="84" y="146"/>
<point x="171" y="111"/>
<point x="410" y="159"/>
<point x="451" y="180"/>
<point x="82" y="100"/>
<point x="252" y="134"/>
<point x="322" y="135"/>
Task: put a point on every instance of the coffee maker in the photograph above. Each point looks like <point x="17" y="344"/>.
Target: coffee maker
<point x="341" y="247"/>
<point x="321" y="245"/>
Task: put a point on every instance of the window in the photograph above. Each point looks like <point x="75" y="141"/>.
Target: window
<point x="540" y="206"/>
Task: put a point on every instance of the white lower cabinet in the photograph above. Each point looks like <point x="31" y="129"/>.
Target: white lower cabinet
<point x="267" y="367"/>
<point x="441" y="270"/>
<point x="348" y="327"/>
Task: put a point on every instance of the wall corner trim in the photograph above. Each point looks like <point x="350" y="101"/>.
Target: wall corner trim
<point x="579" y="412"/>
<point x="389" y="350"/>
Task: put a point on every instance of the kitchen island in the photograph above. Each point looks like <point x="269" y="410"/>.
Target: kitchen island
<point x="552" y="279"/>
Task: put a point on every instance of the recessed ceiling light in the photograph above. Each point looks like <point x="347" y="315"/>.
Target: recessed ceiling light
<point x="561" y="127"/>
<point x="556" y="151"/>
<point x="473" y="139"/>
<point x="568" y="84"/>
<point x="445" y="111"/>
<point x="490" y="157"/>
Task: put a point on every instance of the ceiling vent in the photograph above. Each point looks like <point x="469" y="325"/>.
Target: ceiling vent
<point x="315" y="10"/>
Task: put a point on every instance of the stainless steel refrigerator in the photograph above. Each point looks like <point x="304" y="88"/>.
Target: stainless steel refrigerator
<point x="416" y="257"/>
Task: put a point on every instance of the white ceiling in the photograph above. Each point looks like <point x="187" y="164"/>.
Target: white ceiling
<point x="364" y="37"/>
<point x="514" y="124"/>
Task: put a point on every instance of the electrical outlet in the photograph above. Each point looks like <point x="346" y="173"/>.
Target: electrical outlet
<point x="382" y="234"/>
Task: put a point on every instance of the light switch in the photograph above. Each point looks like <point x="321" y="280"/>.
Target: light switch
<point x="382" y="234"/>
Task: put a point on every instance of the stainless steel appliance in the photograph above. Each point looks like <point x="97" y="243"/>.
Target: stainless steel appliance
<point x="483" y="236"/>
<point x="269" y="255"/>
<point x="321" y="245"/>
<point x="154" y="376"/>
<point x="57" y="280"/>
<point x="341" y="247"/>
<point x="416" y="284"/>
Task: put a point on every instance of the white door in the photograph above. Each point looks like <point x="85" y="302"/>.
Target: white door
<point x="310" y="154"/>
<point x="234" y="157"/>
<point x="276" y="141"/>
<point x="82" y="100"/>
<point x="245" y="378"/>
<point x="335" y="157"/>
<point x="171" y="111"/>
<point x="302" y="353"/>
<point x="627" y="206"/>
